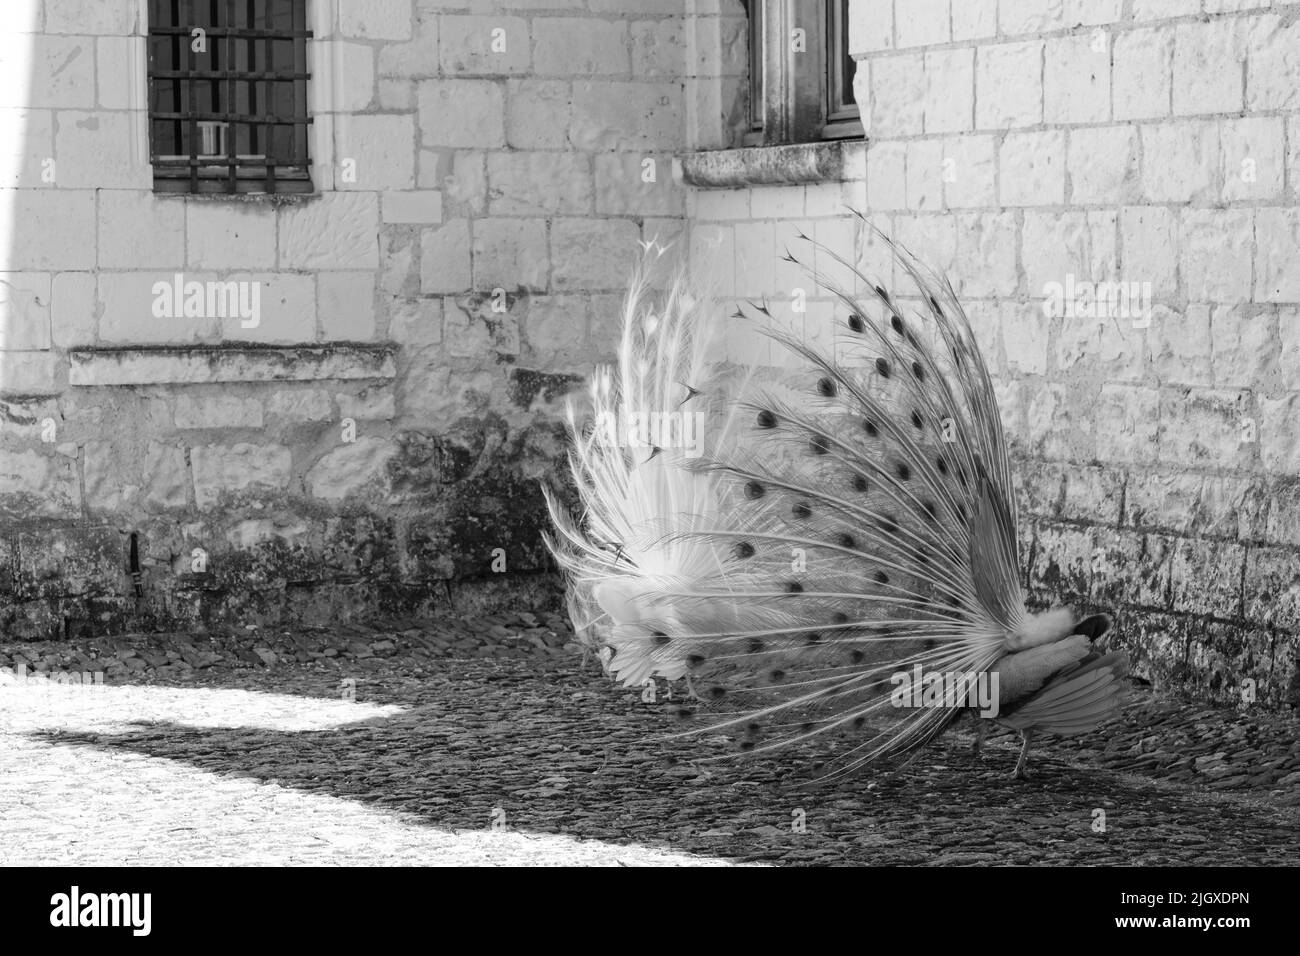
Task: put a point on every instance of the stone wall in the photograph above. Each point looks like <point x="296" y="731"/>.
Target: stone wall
<point x="486" y="170"/>
<point x="1022" y="143"/>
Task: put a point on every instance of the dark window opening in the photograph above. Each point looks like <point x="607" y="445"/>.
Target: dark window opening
<point x="228" y="96"/>
<point x="756" y="71"/>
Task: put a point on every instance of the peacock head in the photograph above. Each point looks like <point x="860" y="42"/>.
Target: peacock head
<point x="1094" y="626"/>
<point x="1048" y="627"/>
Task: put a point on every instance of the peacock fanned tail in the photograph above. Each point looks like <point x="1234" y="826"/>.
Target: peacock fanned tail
<point x="842" y="519"/>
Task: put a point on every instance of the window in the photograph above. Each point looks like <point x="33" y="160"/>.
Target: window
<point x="842" y="118"/>
<point x="228" y="96"/>
<point x="800" y="72"/>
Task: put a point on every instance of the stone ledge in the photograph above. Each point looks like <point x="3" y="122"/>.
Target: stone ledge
<point x="262" y="199"/>
<point x="209" y="364"/>
<point x="831" y="161"/>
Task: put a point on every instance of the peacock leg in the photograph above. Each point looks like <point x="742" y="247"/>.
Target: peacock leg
<point x="978" y="746"/>
<point x="1020" y="772"/>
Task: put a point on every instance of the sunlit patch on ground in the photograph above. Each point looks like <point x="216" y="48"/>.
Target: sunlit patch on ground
<point x="39" y="704"/>
<point x="77" y="804"/>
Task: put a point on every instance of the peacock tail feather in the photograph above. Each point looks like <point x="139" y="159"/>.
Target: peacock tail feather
<point x="839" y="521"/>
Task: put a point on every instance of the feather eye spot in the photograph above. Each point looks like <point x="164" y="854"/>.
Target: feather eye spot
<point x="801" y="510"/>
<point x="881" y="577"/>
<point x="934" y="304"/>
<point x="857" y="657"/>
<point x="930" y="512"/>
<point x="917" y="422"/>
<point x="888" y="525"/>
<point x="778" y="675"/>
<point x="856" y="323"/>
<point x="859" y="483"/>
<point x="684" y="713"/>
<point x="846" y="540"/>
<point x="766" y="419"/>
<point x="882" y="366"/>
<point x="870" y="428"/>
<point x="903" y="471"/>
<point x="942" y="465"/>
<point x="897" y="324"/>
<point x="695" y="660"/>
<point x="717" y="693"/>
<point x="826" y="388"/>
<point x="747" y="745"/>
<point x="918" y="371"/>
<point x="753" y="727"/>
<point x="819" y="444"/>
<point x="754" y="490"/>
<point x="744" y="550"/>
<point x="880" y="291"/>
<point x="661" y="638"/>
<point x="858" y="722"/>
<point x="814" y="639"/>
<point x="756" y="646"/>
<point x="793" y="587"/>
<point x="839" y="617"/>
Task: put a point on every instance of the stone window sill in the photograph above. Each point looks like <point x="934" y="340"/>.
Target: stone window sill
<point x="257" y="199"/>
<point x="830" y="161"/>
<point x="199" y="365"/>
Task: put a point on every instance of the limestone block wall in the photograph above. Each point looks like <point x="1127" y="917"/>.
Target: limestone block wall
<point x="1028" y="147"/>
<point x="485" y="173"/>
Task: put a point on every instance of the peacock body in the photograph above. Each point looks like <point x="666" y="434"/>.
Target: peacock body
<point x="824" y="547"/>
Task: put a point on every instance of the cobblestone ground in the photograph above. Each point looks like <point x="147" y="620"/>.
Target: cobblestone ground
<point x="487" y="741"/>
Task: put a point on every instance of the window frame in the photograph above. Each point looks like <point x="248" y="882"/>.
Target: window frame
<point x="800" y="97"/>
<point x="843" y="117"/>
<point x="225" y="171"/>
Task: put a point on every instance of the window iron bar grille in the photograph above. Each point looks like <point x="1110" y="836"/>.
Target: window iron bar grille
<point x="228" y="96"/>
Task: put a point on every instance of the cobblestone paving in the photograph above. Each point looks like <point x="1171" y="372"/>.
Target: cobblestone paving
<point x="486" y="741"/>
